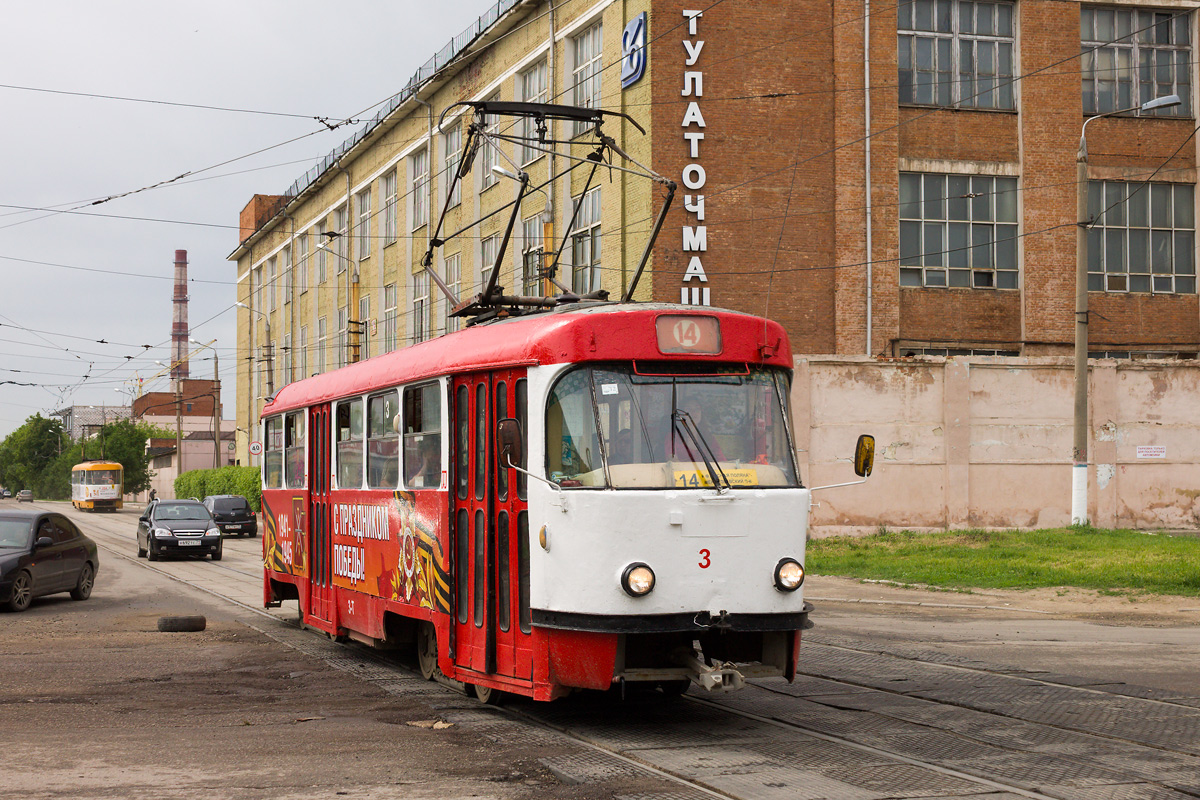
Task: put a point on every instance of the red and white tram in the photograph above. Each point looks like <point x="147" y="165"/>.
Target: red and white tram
<point x="601" y="493"/>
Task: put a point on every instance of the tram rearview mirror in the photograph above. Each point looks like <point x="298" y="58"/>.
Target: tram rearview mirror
<point x="864" y="455"/>
<point x="509" y="442"/>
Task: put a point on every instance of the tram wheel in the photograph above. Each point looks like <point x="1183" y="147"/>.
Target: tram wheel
<point x="487" y="695"/>
<point x="427" y="655"/>
<point x="674" y="689"/>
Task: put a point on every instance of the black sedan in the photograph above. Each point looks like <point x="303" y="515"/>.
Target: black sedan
<point x="232" y="513"/>
<point x="178" y="527"/>
<point x="43" y="553"/>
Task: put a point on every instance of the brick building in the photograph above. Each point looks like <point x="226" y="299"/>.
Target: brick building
<point x="884" y="181"/>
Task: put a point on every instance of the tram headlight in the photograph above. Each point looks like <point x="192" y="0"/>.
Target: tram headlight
<point x="789" y="574"/>
<point x="638" y="579"/>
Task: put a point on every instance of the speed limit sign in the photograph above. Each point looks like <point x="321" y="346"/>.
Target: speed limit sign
<point x="256" y="448"/>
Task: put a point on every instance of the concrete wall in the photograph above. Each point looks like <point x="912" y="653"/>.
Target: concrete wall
<point x="986" y="442"/>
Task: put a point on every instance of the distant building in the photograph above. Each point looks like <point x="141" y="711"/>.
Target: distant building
<point x="197" y="454"/>
<point x="81" y="422"/>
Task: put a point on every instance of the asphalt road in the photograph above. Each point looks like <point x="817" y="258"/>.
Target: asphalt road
<point x="958" y="696"/>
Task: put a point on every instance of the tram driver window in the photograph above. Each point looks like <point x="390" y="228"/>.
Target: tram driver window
<point x="349" y="431"/>
<point x="383" y="456"/>
<point x="572" y="445"/>
<point x="293" y="440"/>
<point x="423" y="436"/>
<point x="273" y="455"/>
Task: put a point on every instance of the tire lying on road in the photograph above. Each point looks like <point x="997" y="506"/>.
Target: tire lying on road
<point x="188" y="624"/>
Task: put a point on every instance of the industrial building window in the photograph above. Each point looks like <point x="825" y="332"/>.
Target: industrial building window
<point x="958" y="231"/>
<point x="487" y="258"/>
<point x="585" y="76"/>
<point x="302" y="262"/>
<point x="950" y="352"/>
<point x="271" y="283"/>
<point x="487" y="151"/>
<point x="420" y="307"/>
<point x="303" y="351"/>
<point x="341" y="218"/>
<point x="418" y="166"/>
<point x="286" y="257"/>
<point x="531" y="257"/>
<point x="389" y="318"/>
<point x="1133" y="55"/>
<point x="453" y="272"/>
<point x="364" y="224"/>
<point x="453" y="144"/>
<point x="1143" y="238"/>
<point x="363" y="327"/>
<point x="322" y="245"/>
<point x="342" y="337"/>
<point x="287" y="359"/>
<point x="956" y="53"/>
<point x="322" y="338"/>
<point x="585" y="243"/>
<point x="389" y="207"/>
<point x="533" y="90"/>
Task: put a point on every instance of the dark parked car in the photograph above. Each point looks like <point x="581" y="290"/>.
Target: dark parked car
<point x="232" y="513"/>
<point x="177" y="527"/>
<point x="43" y="553"/>
<point x="25" y="496"/>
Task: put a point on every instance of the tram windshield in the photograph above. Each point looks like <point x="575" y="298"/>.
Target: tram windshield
<point x="101" y="477"/>
<point x="607" y="426"/>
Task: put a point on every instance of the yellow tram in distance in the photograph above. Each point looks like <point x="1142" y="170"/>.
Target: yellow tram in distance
<point x="97" y="485"/>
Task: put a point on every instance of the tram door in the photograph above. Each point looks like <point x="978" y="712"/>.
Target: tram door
<point x="320" y="574"/>
<point x="491" y="537"/>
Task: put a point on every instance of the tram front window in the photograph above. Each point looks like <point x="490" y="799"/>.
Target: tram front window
<point x="609" y="427"/>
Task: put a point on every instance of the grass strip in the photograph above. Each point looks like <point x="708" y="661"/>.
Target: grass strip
<point x="1111" y="561"/>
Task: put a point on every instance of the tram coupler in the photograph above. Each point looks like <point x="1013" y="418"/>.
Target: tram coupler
<point x="717" y="678"/>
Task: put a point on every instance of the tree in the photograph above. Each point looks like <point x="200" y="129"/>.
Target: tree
<point x="27" y="454"/>
<point x="125" y="442"/>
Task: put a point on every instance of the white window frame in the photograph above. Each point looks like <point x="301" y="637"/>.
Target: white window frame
<point x="363" y="202"/>
<point x="341" y="219"/>
<point x="488" y="155"/>
<point x="585" y="272"/>
<point x="452" y="271"/>
<point x="364" y="327"/>
<point x="322" y="254"/>
<point x="303" y="351"/>
<point x="452" y="141"/>
<point x="322" y="343"/>
<point x="534" y="89"/>
<point x="587" y="50"/>
<point x="532" y="256"/>
<point x="389" y="208"/>
<point x="418" y="168"/>
<point x="301" y="248"/>
<point x="421" y="318"/>
<point x="488" y="247"/>
<point x="389" y="318"/>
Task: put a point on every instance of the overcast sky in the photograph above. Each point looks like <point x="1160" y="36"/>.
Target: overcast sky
<point x="104" y="271"/>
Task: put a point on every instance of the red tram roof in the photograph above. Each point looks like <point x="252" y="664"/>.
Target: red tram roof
<point x="580" y="333"/>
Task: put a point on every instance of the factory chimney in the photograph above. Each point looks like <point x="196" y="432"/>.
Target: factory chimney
<point x="179" y="322"/>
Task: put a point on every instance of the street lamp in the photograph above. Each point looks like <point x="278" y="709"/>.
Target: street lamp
<point x="1079" y="469"/>
<point x="216" y="402"/>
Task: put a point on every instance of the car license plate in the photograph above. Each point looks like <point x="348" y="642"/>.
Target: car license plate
<point x="236" y="527"/>
<point x="189" y="542"/>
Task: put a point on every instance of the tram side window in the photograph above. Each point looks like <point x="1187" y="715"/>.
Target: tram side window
<point x="349" y="429"/>
<point x="273" y="455"/>
<point x="423" y="436"/>
<point x="293" y="442"/>
<point x="383" y="452"/>
<point x="572" y="445"/>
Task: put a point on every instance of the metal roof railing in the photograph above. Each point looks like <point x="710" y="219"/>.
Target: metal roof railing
<point x="422" y="76"/>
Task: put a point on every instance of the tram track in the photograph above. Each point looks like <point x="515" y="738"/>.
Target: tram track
<point x="849" y="731"/>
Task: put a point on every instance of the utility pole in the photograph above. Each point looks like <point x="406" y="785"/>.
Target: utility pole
<point x="216" y="412"/>
<point x="178" y="427"/>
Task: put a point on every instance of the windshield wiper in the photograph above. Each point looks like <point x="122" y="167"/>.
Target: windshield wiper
<point x="684" y="424"/>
